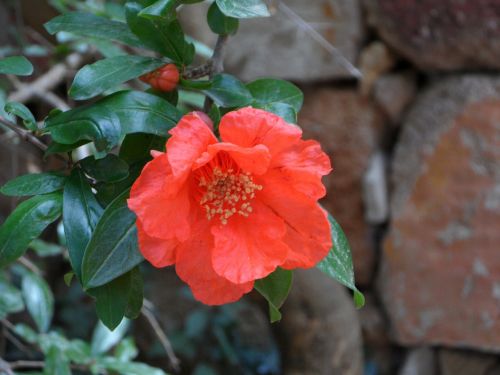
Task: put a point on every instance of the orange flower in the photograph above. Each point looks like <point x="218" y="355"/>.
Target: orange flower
<point x="228" y="213"/>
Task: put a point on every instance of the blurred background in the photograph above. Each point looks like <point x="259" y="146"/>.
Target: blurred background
<point x="404" y="95"/>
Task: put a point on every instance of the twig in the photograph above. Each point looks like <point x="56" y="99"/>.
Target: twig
<point x="29" y="265"/>
<point x="199" y="71"/>
<point x="217" y="64"/>
<point x="24" y="134"/>
<point x="155" y="325"/>
<point x="5" y="368"/>
<point x="26" y="364"/>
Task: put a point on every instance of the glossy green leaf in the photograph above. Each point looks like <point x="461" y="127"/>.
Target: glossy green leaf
<point x="219" y="23"/>
<point x="268" y="91"/>
<point x="338" y="263"/>
<point x="275" y="288"/>
<point x="285" y="111"/>
<point x="21" y="111"/>
<point x="26" y="223"/>
<point x="164" y="9"/>
<point x="68" y="278"/>
<point x="33" y="184"/>
<point x="26" y="333"/>
<point x="126" y="350"/>
<point x="104" y="339"/>
<point x="106" y="74"/>
<point x="39" y="300"/>
<point x="108" y="191"/>
<point x="11" y="300"/>
<point x="81" y="212"/>
<point x="114" y="298"/>
<point x="109" y="169"/>
<point x="113" y="249"/>
<point x="55" y="147"/>
<point x="167" y="38"/>
<point x="78" y="351"/>
<point x="17" y="65"/>
<point x="243" y="8"/>
<point x="137" y="147"/>
<point x="56" y="363"/>
<point x="227" y="91"/>
<point x="110" y="118"/>
<point x="90" y="25"/>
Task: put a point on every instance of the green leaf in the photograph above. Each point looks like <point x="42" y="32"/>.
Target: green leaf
<point x="90" y="25"/>
<point x="26" y="223"/>
<point x="100" y="125"/>
<point x="164" y="9"/>
<point x="135" y="294"/>
<point x="275" y="288"/>
<point x="26" y="333"/>
<point x="33" y="184"/>
<point x="113" y="249"/>
<point x="104" y="339"/>
<point x="21" y="111"/>
<point x="39" y="300"/>
<point x="268" y="91"/>
<point x="106" y="74"/>
<point x="132" y="111"/>
<point x="227" y="91"/>
<point x="81" y="212"/>
<point x="109" y="169"/>
<point x="137" y="147"/>
<point x="219" y="23"/>
<point x="129" y="368"/>
<point x="18" y="65"/>
<point x="55" y="147"/>
<point x="285" y="111"/>
<point x="11" y="300"/>
<point x="243" y="8"/>
<point x="45" y="249"/>
<point x="68" y="277"/>
<point x="56" y="363"/>
<point x="126" y="350"/>
<point x="78" y="351"/>
<point x="167" y="38"/>
<point x="338" y="263"/>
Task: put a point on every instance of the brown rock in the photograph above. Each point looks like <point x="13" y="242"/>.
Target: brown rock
<point x="349" y="129"/>
<point x="393" y="93"/>
<point x="440" y="269"/>
<point x="461" y="362"/>
<point x="320" y="328"/>
<point x="281" y="46"/>
<point x="440" y="35"/>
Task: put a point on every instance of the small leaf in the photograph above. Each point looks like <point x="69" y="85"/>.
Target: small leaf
<point x="81" y="212"/>
<point x="90" y="25"/>
<point x="106" y="74"/>
<point x="45" y="249"/>
<point x="17" y="65"/>
<point x="56" y="363"/>
<point x="26" y="333"/>
<point x="275" y="288"/>
<point x="11" y="300"/>
<point x="68" y="277"/>
<point x="113" y="249"/>
<point x="129" y="368"/>
<point x="164" y="9"/>
<point x="126" y="350"/>
<point x="108" y="169"/>
<point x="243" y="8"/>
<point x="103" y="339"/>
<point x="285" y="111"/>
<point x="219" y="23"/>
<point x="135" y="294"/>
<point x="39" y="300"/>
<point x="227" y="91"/>
<point x="21" y="111"/>
<point x="26" y="223"/>
<point x="338" y="263"/>
<point x="167" y="38"/>
<point x="268" y="91"/>
<point x="33" y="184"/>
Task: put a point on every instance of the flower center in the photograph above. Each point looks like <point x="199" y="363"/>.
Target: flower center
<point x="227" y="193"/>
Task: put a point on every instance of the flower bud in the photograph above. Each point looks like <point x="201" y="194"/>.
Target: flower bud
<point x="163" y="79"/>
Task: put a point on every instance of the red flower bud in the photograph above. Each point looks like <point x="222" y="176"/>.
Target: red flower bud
<point x="163" y="79"/>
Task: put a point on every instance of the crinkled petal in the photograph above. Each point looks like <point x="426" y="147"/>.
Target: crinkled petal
<point x="194" y="266"/>
<point x="248" y="127"/>
<point x="302" y="166"/>
<point x="157" y="251"/>
<point x="249" y="248"/>
<point x="307" y="229"/>
<point x="159" y="200"/>
<point x="190" y="138"/>
<point x="254" y="159"/>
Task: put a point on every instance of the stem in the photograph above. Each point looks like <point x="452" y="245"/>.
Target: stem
<point x="24" y="134"/>
<point x="217" y="64"/>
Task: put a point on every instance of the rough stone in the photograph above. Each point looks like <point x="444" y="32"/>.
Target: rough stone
<point x="420" y="361"/>
<point x="393" y="93"/>
<point x="440" y="265"/>
<point x="440" y="35"/>
<point x="280" y="46"/>
<point x="460" y="362"/>
<point x="349" y="129"/>
<point x="320" y="328"/>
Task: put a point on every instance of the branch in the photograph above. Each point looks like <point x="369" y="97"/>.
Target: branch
<point x="217" y="64"/>
<point x="199" y="71"/>
<point x="5" y="368"/>
<point x="24" y="134"/>
<point x="155" y="325"/>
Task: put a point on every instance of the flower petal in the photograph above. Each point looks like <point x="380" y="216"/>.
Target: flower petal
<point x="194" y="266"/>
<point x="157" y="251"/>
<point x="248" y="127"/>
<point x="190" y="138"/>
<point x="249" y="248"/>
<point x="159" y="199"/>
<point x="307" y="229"/>
<point x="302" y="166"/>
<point x="251" y="159"/>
